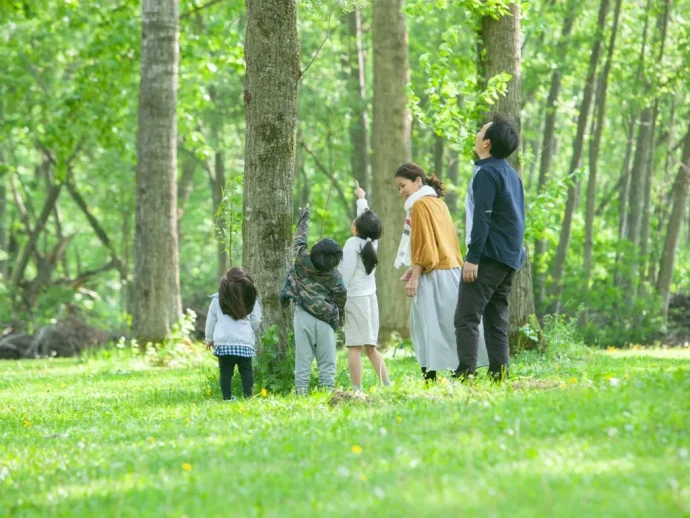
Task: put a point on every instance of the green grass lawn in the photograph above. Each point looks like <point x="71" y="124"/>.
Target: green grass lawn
<point x="595" y="434"/>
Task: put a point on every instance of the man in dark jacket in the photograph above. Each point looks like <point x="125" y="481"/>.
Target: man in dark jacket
<point x="496" y="230"/>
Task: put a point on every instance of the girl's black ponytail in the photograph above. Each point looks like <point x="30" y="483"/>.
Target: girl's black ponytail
<point x="369" y="227"/>
<point x="369" y="257"/>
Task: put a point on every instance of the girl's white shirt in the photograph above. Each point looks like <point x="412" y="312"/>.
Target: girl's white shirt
<point x="222" y="329"/>
<point x="352" y="269"/>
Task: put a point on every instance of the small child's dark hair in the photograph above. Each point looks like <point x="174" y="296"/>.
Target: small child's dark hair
<point x="369" y="227"/>
<point x="326" y="255"/>
<point x="504" y="137"/>
<point x="237" y="293"/>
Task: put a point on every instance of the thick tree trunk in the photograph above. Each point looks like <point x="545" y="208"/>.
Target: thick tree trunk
<point x="501" y="43"/>
<point x="359" y="122"/>
<point x="678" y="213"/>
<point x="391" y="142"/>
<point x="272" y="54"/>
<point x="576" y="160"/>
<point x="547" y="148"/>
<point x="594" y="143"/>
<point x="156" y="277"/>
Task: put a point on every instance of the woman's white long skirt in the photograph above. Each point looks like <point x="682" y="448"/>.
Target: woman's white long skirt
<point x="432" y="322"/>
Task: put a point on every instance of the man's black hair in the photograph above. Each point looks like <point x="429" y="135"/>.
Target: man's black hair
<point x="504" y="137"/>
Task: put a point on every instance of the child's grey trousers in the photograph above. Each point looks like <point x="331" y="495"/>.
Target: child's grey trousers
<point x="313" y="337"/>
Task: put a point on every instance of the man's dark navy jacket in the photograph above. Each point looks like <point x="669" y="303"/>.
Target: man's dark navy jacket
<point x="498" y="222"/>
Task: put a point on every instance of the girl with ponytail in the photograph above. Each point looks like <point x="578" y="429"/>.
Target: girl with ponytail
<point x="362" y="309"/>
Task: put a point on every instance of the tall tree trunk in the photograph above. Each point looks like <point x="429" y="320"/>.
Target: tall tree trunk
<point x="3" y="222"/>
<point x="184" y="186"/>
<point x="501" y="43"/>
<point x="156" y="272"/>
<point x="547" y="148"/>
<point x="453" y="179"/>
<point x="665" y="199"/>
<point x="594" y="143"/>
<point x="576" y="160"/>
<point x="392" y="147"/>
<point x="662" y="25"/>
<point x="439" y="146"/>
<point x="624" y="191"/>
<point x="678" y="213"/>
<point x="217" y="187"/>
<point x="272" y="54"/>
<point x="359" y="121"/>
<point x="126" y="291"/>
<point x="641" y="157"/>
<point x="534" y="147"/>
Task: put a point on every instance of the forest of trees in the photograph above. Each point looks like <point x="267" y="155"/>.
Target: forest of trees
<point x="146" y="146"/>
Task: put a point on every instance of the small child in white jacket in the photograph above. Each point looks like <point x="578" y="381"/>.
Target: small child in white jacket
<point x="362" y="309"/>
<point x="233" y="319"/>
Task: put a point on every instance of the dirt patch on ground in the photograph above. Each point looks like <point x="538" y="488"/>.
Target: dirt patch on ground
<point x="340" y="397"/>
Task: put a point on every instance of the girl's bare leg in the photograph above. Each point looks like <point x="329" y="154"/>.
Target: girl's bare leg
<point x="355" y="364"/>
<point x="378" y="363"/>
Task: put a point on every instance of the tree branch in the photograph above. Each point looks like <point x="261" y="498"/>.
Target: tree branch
<point x="200" y="8"/>
<point x="33" y="237"/>
<point x="95" y="225"/>
<point x="318" y="51"/>
<point x="330" y="176"/>
<point x="21" y="208"/>
<point x="85" y="276"/>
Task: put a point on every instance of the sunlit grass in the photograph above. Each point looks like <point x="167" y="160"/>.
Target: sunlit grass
<point x="590" y="434"/>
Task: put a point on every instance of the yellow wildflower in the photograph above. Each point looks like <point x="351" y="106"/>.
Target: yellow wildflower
<point x="187" y="467"/>
<point x="264" y="392"/>
<point x="356" y="449"/>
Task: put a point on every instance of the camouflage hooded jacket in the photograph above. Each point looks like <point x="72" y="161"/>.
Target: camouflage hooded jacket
<point x="322" y="294"/>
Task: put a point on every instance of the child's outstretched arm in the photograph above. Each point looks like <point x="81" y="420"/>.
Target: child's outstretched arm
<point x="299" y="245"/>
<point x="362" y="205"/>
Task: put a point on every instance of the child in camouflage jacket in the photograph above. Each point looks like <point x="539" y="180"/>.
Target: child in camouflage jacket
<point x="316" y="288"/>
